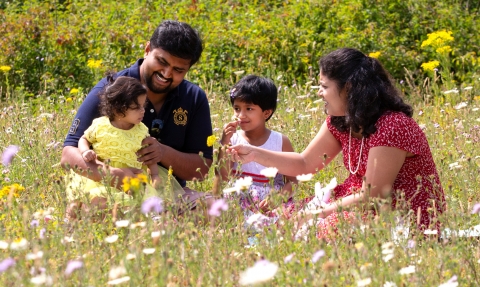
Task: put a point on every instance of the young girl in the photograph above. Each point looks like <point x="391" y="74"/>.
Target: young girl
<point x="254" y="100"/>
<point x="116" y="137"/>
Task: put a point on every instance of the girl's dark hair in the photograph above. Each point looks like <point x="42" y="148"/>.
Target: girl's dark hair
<point x="119" y="95"/>
<point x="369" y="87"/>
<point x="178" y="39"/>
<point x="256" y="90"/>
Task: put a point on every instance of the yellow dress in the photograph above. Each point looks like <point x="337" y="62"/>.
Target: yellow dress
<point x="119" y="147"/>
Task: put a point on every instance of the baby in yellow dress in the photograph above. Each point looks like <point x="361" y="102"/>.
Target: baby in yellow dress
<point x="116" y="137"/>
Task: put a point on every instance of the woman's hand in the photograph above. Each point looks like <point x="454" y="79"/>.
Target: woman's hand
<point x="241" y="153"/>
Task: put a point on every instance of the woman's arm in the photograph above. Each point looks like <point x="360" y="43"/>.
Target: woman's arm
<point x="383" y="166"/>
<point x="320" y="152"/>
<point x="289" y="180"/>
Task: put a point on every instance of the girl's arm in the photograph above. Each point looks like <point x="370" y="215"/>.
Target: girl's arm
<point x="320" y="152"/>
<point x="84" y="147"/>
<point x="224" y="163"/>
<point x="383" y="166"/>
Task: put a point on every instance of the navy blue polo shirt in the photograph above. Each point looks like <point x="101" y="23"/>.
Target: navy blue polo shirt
<point x="184" y="117"/>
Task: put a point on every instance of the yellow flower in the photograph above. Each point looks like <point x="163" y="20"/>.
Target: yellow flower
<point x="375" y="54"/>
<point x="135" y="183"/>
<point x="126" y="183"/>
<point x="74" y="91"/>
<point x="170" y="171"/>
<point x="211" y="140"/>
<point x="5" y="68"/>
<point x="14" y="188"/>
<point x="94" y="64"/>
<point x="142" y="177"/>
<point x="444" y="50"/>
<point x="438" y="39"/>
<point x="68" y="100"/>
<point x="430" y="66"/>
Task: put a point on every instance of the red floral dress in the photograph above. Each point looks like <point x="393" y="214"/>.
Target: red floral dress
<point x="417" y="181"/>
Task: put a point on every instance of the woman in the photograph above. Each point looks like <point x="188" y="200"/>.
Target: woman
<point x="383" y="148"/>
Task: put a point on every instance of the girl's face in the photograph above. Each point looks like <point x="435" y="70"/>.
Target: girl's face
<point x="335" y="100"/>
<point x="250" y="116"/>
<point x="134" y="115"/>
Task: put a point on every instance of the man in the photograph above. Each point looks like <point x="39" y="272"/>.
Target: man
<point x="177" y="112"/>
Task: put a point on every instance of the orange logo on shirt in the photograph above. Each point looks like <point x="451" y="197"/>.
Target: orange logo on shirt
<point x="180" y="116"/>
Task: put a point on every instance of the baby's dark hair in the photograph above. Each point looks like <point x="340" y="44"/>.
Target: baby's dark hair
<point x="119" y="95"/>
<point x="256" y="90"/>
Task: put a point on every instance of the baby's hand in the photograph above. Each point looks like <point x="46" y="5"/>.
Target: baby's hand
<point x="89" y="155"/>
<point x="228" y="130"/>
<point x="156" y="181"/>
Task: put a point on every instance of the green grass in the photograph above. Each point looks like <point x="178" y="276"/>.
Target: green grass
<point x="194" y="252"/>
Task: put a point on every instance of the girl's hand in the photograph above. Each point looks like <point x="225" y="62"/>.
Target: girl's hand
<point x="89" y="155"/>
<point x="228" y="130"/>
<point x="264" y="205"/>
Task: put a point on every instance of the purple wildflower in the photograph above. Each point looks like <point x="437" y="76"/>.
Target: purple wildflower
<point x="411" y="243"/>
<point x="8" y="154"/>
<point x="217" y="207"/>
<point x="5" y="264"/>
<point x="288" y="258"/>
<point x="41" y="233"/>
<point x="317" y="255"/>
<point x="72" y="266"/>
<point x="152" y="204"/>
<point x="476" y="208"/>
<point x="34" y="223"/>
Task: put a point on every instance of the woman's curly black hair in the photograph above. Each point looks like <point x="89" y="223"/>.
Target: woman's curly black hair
<point x="369" y="87"/>
<point x="120" y="95"/>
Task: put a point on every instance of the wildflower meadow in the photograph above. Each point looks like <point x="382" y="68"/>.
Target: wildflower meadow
<point x="55" y="51"/>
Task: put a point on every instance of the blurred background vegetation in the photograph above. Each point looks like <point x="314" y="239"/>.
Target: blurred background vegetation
<point x="57" y="48"/>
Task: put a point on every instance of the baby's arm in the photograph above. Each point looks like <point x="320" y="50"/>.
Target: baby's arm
<point x="84" y="147"/>
<point x="153" y="168"/>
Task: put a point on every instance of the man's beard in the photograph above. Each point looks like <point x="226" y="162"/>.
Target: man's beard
<point x="151" y="86"/>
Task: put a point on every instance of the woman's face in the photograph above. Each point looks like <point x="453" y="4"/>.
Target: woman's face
<point x="335" y="100"/>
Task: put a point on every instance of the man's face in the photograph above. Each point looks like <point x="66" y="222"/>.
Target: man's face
<point x="161" y="71"/>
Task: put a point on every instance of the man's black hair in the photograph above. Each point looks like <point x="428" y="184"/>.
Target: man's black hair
<point x="178" y="39"/>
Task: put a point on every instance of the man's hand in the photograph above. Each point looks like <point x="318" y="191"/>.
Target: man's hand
<point x="118" y="174"/>
<point x="156" y="181"/>
<point x="152" y="153"/>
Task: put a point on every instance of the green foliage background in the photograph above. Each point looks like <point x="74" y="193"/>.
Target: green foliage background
<point x="48" y="43"/>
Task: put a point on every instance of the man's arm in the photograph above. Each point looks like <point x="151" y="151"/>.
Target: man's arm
<point x="186" y="166"/>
